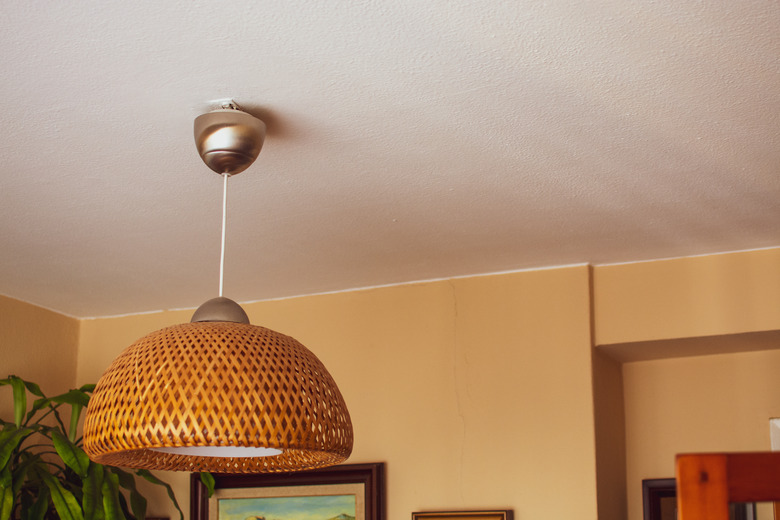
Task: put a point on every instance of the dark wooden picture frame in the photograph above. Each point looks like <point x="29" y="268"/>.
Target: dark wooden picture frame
<point x="659" y="501"/>
<point x="485" y="514"/>
<point x="371" y="477"/>
<point x="656" y="494"/>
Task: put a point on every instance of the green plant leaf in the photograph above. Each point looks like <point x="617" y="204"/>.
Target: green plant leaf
<point x="75" y="413"/>
<point x="138" y="504"/>
<point x="72" y="397"/>
<point x="92" y="487"/>
<point x="88" y="388"/>
<point x="25" y="503"/>
<point x="6" y="479"/>
<point x="146" y="474"/>
<point x="111" y="506"/>
<point x="22" y="468"/>
<point x="9" y="440"/>
<point x="208" y="481"/>
<point x="38" y="404"/>
<point x="50" y="474"/>
<point x="73" y="456"/>
<point x="65" y="503"/>
<point x="7" y="380"/>
<point x="6" y="502"/>
<point x="137" y="500"/>
<point x="40" y="506"/>
<point x="20" y="400"/>
<point x="125" y="508"/>
<point x="6" y="494"/>
<point x="33" y="388"/>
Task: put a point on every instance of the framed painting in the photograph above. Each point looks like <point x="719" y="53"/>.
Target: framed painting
<point x="487" y="514"/>
<point x="345" y="492"/>
<point x="659" y="501"/>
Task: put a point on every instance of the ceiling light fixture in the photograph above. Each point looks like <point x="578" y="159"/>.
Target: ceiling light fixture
<point x="219" y="394"/>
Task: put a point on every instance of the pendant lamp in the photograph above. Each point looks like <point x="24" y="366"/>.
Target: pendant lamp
<point x="219" y="394"/>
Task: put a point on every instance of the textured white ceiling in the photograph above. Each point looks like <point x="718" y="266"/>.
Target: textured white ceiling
<point x="407" y="140"/>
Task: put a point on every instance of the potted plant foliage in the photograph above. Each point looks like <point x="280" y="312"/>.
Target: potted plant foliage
<point x="44" y="473"/>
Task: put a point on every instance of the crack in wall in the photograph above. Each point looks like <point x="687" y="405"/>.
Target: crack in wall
<point x="458" y="379"/>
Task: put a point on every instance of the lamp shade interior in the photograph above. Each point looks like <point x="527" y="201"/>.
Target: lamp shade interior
<point x="221" y="451"/>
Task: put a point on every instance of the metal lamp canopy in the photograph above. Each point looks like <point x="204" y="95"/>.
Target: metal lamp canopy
<point x="219" y="394"/>
<point x="229" y="140"/>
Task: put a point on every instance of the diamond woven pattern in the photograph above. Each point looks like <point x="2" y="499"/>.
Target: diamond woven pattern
<point x="217" y="384"/>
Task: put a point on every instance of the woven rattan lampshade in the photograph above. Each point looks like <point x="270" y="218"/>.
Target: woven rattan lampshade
<point x="218" y="394"/>
<point x="217" y="384"/>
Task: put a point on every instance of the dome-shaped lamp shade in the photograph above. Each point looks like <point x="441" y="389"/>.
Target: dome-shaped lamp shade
<point x="263" y="400"/>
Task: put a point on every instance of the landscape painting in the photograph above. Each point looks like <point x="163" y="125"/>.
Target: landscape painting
<point x="341" y="492"/>
<point x="314" y="507"/>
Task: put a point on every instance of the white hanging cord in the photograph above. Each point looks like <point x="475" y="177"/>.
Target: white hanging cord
<point x="224" y="218"/>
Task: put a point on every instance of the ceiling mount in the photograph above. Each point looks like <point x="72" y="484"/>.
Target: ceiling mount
<point x="228" y="139"/>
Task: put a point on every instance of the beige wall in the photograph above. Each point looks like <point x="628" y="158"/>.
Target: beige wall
<point x="476" y="392"/>
<point x="687" y="297"/>
<point x="704" y="403"/>
<point x="714" y="320"/>
<point x="609" y="415"/>
<point x="489" y="391"/>
<point x="37" y="345"/>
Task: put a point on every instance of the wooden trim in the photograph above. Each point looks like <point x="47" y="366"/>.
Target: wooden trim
<point x="707" y="483"/>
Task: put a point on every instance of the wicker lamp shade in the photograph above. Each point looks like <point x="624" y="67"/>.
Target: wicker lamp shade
<point x="219" y="384"/>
